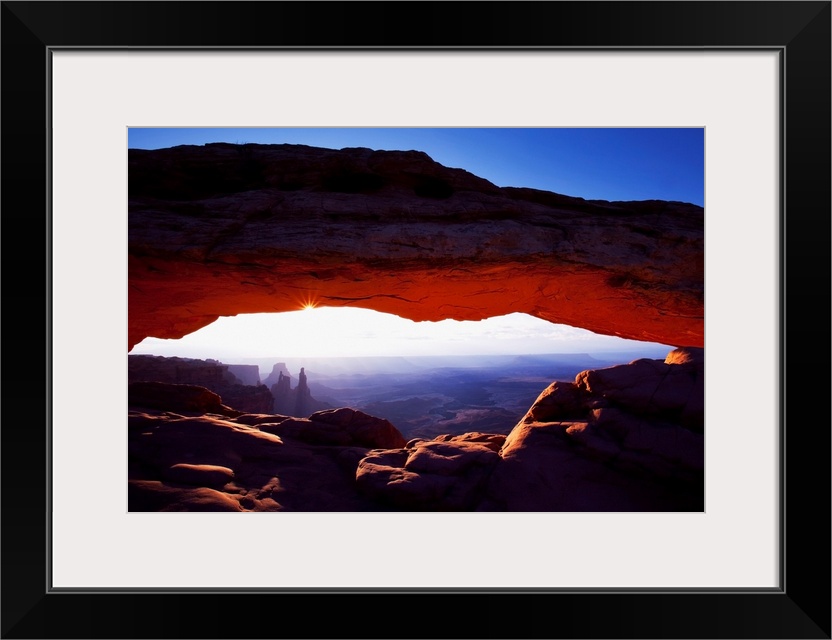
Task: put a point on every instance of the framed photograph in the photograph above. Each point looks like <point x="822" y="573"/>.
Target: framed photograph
<point x="82" y="81"/>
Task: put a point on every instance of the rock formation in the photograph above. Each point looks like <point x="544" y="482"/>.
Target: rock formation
<point x="297" y="402"/>
<point x="187" y="398"/>
<point x="302" y="395"/>
<point x="247" y="398"/>
<point x="282" y="394"/>
<point x="206" y="373"/>
<point x="625" y="438"/>
<point x="223" y="229"/>
<point x="210" y="374"/>
<point x="278" y="369"/>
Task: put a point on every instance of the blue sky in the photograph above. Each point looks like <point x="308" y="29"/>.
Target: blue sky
<point x="597" y="164"/>
<point x="603" y="164"/>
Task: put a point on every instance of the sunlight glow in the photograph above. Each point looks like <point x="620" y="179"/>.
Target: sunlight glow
<point x="348" y="331"/>
<point x="307" y="302"/>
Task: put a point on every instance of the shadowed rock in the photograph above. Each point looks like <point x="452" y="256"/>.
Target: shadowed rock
<point x="342" y="427"/>
<point x="201" y="475"/>
<point x="211" y="463"/>
<point x="176" y="397"/>
<point x="211" y="374"/>
<point x="432" y="475"/>
<point x="625" y="438"/>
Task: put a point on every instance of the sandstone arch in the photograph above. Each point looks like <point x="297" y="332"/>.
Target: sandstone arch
<point x="225" y="229"/>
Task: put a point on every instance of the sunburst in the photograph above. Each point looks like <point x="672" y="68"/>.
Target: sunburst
<point x="308" y="302"/>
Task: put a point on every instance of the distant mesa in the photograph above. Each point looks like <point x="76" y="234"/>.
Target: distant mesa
<point x="278" y="369"/>
<point x="280" y="225"/>
<point x="297" y="402"/>
<point x="237" y="385"/>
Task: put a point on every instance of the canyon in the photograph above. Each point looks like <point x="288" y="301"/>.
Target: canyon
<point x="223" y="229"/>
<point x="622" y="438"/>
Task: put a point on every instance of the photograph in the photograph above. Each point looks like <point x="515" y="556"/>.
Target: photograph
<point x="416" y="319"/>
<point x="429" y="286"/>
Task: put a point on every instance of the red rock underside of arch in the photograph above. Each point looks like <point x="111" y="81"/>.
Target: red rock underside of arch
<point x="222" y="230"/>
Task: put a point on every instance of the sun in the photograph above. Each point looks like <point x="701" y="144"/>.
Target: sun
<point x="308" y="302"/>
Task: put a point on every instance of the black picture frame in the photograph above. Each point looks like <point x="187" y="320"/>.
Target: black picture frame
<point x="799" y="31"/>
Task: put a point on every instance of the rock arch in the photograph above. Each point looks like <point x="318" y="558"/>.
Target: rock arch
<point x="221" y="229"/>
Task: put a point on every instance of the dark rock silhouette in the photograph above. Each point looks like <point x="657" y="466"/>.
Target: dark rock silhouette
<point x="187" y="398"/>
<point x="274" y="376"/>
<point x="211" y="374"/>
<point x="281" y="391"/>
<point x="342" y="427"/>
<point x="303" y="396"/>
<point x="297" y="402"/>
<point x="624" y="438"/>
<point x="432" y="475"/>
<point x="206" y="373"/>
<point x="248" y="398"/>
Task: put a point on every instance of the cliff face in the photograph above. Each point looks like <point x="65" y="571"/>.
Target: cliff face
<point x="225" y="229"/>
<point x="210" y="374"/>
<point x="248" y="374"/>
<point x="204" y="373"/>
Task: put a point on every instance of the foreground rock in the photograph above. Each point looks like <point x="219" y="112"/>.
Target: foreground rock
<point x="222" y="229"/>
<point x="214" y="463"/>
<point x="431" y="476"/>
<point x="626" y="438"/>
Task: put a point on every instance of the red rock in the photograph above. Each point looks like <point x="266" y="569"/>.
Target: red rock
<point x="491" y="440"/>
<point x="364" y="430"/>
<point x="684" y="355"/>
<point x="449" y="458"/>
<point x="433" y="475"/>
<point x="652" y="388"/>
<point x="208" y="463"/>
<point x="382" y="476"/>
<point x="560" y="401"/>
<point x="310" y="432"/>
<point x="547" y="467"/>
<point x="200" y="475"/>
<point x="253" y="419"/>
<point x="625" y="438"/>
<point x="220" y="229"/>
<point x="146" y="495"/>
